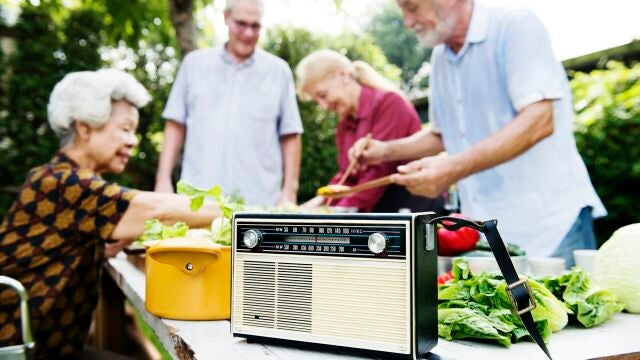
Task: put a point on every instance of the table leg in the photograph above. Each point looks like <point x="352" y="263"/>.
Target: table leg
<point x="110" y="317"/>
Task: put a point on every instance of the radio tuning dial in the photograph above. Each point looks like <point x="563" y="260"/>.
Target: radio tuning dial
<point x="378" y="242"/>
<point x="252" y="238"/>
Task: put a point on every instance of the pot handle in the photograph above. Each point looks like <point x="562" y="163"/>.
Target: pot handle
<point x="190" y="262"/>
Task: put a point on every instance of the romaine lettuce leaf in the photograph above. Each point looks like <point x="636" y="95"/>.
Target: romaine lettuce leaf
<point x="590" y="304"/>
<point x="155" y="230"/>
<point x="477" y="306"/>
<point x="461" y="323"/>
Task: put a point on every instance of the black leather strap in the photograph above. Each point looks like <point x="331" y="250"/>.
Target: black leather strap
<point x="518" y="290"/>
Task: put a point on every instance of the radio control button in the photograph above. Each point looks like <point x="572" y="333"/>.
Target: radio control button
<point x="252" y="238"/>
<point x="378" y="242"/>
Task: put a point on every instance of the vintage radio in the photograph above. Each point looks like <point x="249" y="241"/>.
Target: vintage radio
<point x="360" y="281"/>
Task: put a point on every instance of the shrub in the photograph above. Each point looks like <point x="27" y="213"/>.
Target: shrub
<point x="607" y="128"/>
<point x="32" y="70"/>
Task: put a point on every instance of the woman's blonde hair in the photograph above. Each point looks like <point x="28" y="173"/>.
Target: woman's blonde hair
<point x="322" y="63"/>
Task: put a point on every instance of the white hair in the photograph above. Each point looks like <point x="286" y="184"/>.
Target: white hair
<point x="232" y="3"/>
<point x="86" y="97"/>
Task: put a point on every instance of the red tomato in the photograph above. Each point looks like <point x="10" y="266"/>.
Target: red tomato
<point x="445" y="278"/>
<point x="451" y="243"/>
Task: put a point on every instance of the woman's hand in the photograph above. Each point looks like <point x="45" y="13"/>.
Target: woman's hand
<point x="112" y="249"/>
<point x="368" y="152"/>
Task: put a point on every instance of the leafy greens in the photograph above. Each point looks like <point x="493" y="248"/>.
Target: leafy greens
<point x="590" y="304"/>
<point x="477" y="306"/>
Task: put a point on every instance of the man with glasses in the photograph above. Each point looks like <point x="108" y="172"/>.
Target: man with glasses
<point x="501" y="107"/>
<point x="234" y="108"/>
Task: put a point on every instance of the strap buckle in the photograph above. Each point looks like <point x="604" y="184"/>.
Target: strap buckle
<point x="514" y="302"/>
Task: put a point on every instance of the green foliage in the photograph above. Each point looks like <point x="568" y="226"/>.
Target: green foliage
<point x="35" y="66"/>
<point x="6" y="195"/>
<point x="319" y="154"/>
<point x="55" y="40"/>
<point x="400" y="45"/>
<point x="132" y="21"/>
<point x="46" y="53"/>
<point x="82" y="39"/>
<point x="607" y="103"/>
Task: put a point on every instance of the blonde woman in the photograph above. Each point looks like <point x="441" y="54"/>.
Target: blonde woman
<point x="367" y="103"/>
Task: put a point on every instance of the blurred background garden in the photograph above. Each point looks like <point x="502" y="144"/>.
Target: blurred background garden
<point x="43" y="40"/>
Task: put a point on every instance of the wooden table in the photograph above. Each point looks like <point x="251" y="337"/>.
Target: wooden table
<point x="213" y="340"/>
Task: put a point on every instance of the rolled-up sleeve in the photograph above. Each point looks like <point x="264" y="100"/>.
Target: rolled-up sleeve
<point x="176" y="106"/>
<point x="289" y="121"/>
<point x="532" y="72"/>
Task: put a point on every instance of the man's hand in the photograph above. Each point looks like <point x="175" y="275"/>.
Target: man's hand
<point x="164" y="186"/>
<point x="313" y="203"/>
<point x="287" y="198"/>
<point x="429" y="176"/>
<point x="367" y="152"/>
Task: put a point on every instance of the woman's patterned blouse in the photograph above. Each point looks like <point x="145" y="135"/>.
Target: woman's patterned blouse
<point x="52" y="241"/>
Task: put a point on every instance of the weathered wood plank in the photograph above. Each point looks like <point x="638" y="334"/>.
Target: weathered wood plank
<point x="202" y="339"/>
<point x="212" y="339"/>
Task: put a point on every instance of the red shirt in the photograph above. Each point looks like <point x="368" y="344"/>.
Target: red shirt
<point x="387" y="116"/>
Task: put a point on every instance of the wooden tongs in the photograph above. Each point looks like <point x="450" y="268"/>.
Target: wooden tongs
<point x="345" y="175"/>
<point x="339" y="191"/>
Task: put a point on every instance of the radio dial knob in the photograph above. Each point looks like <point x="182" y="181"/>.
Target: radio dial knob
<point x="252" y="238"/>
<point x="378" y="242"/>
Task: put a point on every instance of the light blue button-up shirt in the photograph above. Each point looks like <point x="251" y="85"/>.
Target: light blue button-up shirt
<point x="506" y="64"/>
<point x="235" y="115"/>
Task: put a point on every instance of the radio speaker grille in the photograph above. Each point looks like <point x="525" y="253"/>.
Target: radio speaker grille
<point x="259" y="289"/>
<point x="294" y="297"/>
<point x="368" y="296"/>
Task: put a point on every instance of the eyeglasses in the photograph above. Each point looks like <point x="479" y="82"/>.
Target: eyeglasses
<point x="243" y="25"/>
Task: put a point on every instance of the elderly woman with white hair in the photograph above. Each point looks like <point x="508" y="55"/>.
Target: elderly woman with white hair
<point x="53" y="237"/>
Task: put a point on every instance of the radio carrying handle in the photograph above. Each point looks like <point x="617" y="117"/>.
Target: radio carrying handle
<point x="522" y="301"/>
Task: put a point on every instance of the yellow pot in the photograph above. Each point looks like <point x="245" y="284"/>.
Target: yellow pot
<point x="188" y="279"/>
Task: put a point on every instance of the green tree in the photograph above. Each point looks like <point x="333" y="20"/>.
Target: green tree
<point x="607" y="129"/>
<point x="400" y="45"/>
<point x="46" y="53"/>
<point x="82" y="39"/>
<point x="6" y="193"/>
<point x="128" y="22"/>
<point x="35" y="66"/>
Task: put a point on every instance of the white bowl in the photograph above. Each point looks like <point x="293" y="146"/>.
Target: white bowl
<point x="479" y="264"/>
<point x="546" y="266"/>
<point x="585" y="258"/>
<point x="444" y="264"/>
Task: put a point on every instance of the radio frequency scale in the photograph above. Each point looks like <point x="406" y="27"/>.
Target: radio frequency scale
<point x="359" y="281"/>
